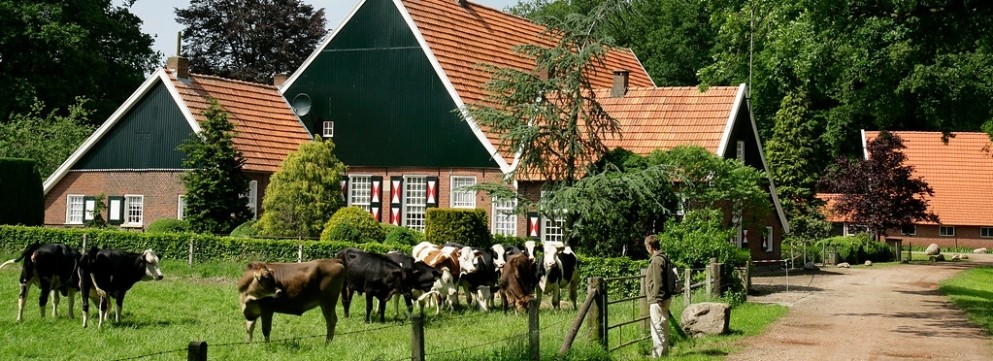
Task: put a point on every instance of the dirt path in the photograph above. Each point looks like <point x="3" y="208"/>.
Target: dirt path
<point x="874" y="313"/>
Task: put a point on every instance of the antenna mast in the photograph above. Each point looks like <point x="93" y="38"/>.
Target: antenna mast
<point x="179" y="43"/>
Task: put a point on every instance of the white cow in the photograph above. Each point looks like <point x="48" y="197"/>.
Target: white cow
<point x="559" y="268"/>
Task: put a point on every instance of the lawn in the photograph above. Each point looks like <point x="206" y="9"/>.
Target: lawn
<point x="201" y="303"/>
<point x="972" y="291"/>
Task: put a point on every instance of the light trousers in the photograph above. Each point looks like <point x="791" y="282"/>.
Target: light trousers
<point x="659" y="313"/>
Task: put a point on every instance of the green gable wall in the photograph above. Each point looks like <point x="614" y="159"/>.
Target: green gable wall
<point x="742" y="130"/>
<point x="145" y="138"/>
<point x="388" y="105"/>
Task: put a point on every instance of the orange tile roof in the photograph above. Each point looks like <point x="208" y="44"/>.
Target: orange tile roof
<point x="463" y="38"/>
<point x="663" y="118"/>
<point x="959" y="172"/>
<point x="828" y="208"/>
<point x="267" y="130"/>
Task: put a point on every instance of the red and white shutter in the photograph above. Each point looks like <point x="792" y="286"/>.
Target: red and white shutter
<point x="534" y="225"/>
<point x="432" y="191"/>
<point x="376" y="198"/>
<point x="396" y="198"/>
<point x="344" y="189"/>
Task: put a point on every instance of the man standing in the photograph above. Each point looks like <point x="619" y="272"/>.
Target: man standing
<point x="658" y="298"/>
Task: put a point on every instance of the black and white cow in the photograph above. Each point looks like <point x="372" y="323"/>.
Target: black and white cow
<point x="51" y="267"/>
<point x="559" y="268"/>
<point x="109" y="273"/>
<point x="421" y="279"/>
<point x="482" y="281"/>
<point x="372" y="274"/>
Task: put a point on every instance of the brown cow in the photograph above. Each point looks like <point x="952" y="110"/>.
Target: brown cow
<point x="517" y="281"/>
<point x="291" y="288"/>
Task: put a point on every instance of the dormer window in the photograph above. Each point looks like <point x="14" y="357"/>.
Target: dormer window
<point x="328" y="129"/>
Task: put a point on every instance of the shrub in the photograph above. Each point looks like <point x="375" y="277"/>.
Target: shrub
<point x="505" y="239"/>
<point x="465" y="226"/>
<point x="700" y="237"/>
<point x="858" y="249"/>
<point x="246" y="230"/>
<point x="368" y="228"/>
<point x="168" y="225"/>
<point x="346" y="232"/>
<point x="22" y="200"/>
<point x="402" y="235"/>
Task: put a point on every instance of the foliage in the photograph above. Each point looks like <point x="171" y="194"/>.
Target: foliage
<point x="795" y="157"/>
<point x="401" y="235"/>
<point x="169" y="225"/>
<point x="970" y="291"/>
<point x="49" y="138"/>
<point x="304" y="193"/>
<point x="880" y="192"/>
<point x="99" y="205"/>
<point x="215" y="185"/>
<point x="698" y="238"/>
<point x="246" y="230"/>
<point x="465" y="226"/>
<point x="511" y="240"/>
<point x="355" y="223"/>
<point x="249" y="40"/>
<point x="22" y="199"/>
<point x="59" y="50"/>
<point x="858" y="249"/>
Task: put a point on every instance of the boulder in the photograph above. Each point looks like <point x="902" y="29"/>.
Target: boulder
<point x="868" y="263"/>
<point x="932" y="250"/>
<point x="706" y="318"/>
<point x="843" y="265"/>
<point x="956" y="257"/>
<point x="810" y="266"/>
<point x="979" y="250"/>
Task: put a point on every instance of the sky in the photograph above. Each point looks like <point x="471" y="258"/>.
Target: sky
<point x="159" y="17"/>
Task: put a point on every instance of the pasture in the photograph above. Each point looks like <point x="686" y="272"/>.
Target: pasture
<point x="201" y="303"/>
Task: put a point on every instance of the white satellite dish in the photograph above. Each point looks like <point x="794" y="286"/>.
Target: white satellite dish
<point x="301" y="104"/>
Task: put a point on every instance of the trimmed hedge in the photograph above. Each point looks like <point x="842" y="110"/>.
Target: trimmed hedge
<point x="13" y="239"/>
<point x="353" y="224"/>
<point x="168" y="225"/>
<point x="465" y="226"/>
<point x="22" y="198"/>
<point x="858" y="249"/>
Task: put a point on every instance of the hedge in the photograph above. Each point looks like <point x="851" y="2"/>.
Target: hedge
<point x="858" y="249"/>
<point x="22" y="199"/>
<point x="464" y="226"/>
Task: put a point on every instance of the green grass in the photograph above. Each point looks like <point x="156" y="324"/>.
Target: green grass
<point x="201" y="303"/>
<point x="972" y="291"/>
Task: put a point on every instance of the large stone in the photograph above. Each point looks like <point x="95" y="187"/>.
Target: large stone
<point x="979" y="250"/>
<point x="868" y="263"/>
<point x="810" y="266"/>
<point x="706" y="318"/>
<point x="932" y="250"/>
<point x="843" y="265"/>
<point x="956" y="257"/>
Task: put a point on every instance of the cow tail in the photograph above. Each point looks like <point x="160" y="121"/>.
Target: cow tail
<point x="8" y="263"/>
<point x="25" y="254"/>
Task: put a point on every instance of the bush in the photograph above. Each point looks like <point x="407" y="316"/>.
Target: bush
<point x="402" y="235"/>
<point x="22" y="199"/>
<point x="700" y="237"/>
<point x="368" y="228"/>
<point x="246" y="230"/>
<point x="505" y="239"/>
<point x="346" y="232"/>
<point x="858" y="249"/>
<point x="465" y="226"/>
<point x="168" y="225"/>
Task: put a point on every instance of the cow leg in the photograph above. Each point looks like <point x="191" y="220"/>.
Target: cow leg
<point x="25" y="287"/>
<point x="266" y="324"/>
<point x="482" y="295"/>
<point x="368" y="305"/>
<point x="346" y="299"/>
<point x="382" y="309"/>
<point x="250" y="328"/>
<point x="104" y="310"/>
<point x="572" y="292"/>
<point x="55" y="303"/>
<point x="556" y="295"/>
<point x="46" y="290"/>
<point x="72" y="299"/>
<point x="331" y="319"/>
<point x="119" y="308"/>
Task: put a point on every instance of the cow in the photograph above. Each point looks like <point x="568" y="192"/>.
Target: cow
<point x="503" y="252"/>
<point x="480" y="283"/>
<point x="106" y="274"/>
<point x="421" y="279"/>
<point x="53" y="268"/>
<point x="290" y="288"/>
<point x="517" y="282"/>
<point x="373" y="274"/>
<point x="558" y="269"/>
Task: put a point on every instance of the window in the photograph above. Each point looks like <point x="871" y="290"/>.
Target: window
<point x="504" y="220"/>
<point x="946" y="231"/>
<point x="253" y="198"/>
<point x="328" y="129"/>
<point x="89" y="208"/>
<point x="551" y="229"/>
<point x="740" y="150"/>
<point x="854" y="229"/>
<point x="181" y="207"/>
<point x="986" y="232"/>
<point x="360" y="191"/>
<point x="133" y="210"/>
<point x="74" y="209"/>
<point x="768" y="239"/>
<point x="908" y="230"/>
<point x="414" y="201"/>
<point x="462" y="198"/>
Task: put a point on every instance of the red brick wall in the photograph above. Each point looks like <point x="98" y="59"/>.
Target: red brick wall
<point x="965" y="237"/>
<point x="161" y="190"/>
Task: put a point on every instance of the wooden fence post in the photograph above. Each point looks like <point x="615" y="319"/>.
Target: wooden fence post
<point x="190" y="261"/>
<point x="534" y="337"/>
<point x="598" y="313"/>
<point x="197" y="351"/>
<point x="715" y="271"/>
<point x="84" y="244"/>
<point x="578" y="322"/>
<point x="417" y="337"/>
<point x="687" y="283"/>
<point x="299" y="251"/>
<point x="643" y="302"/>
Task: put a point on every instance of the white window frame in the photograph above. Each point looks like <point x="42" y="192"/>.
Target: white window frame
<point x="327" y="129"/>
<point x="943" y="233"/>
<point x="740" y="150"/>
<point x="769" y="233"/>
<point x="988" y="230"/>
<point x="504" y="219"/>
<point x="74" y="208"/>
<point x="551" y="228"/>
<point x="913" y="232"/>
<point x="460" y="197"/>
<point x="181" y="206"/>
<point x="360" y="191"/>
<point x="134" y="217"/>
<point x="253" y="198"/>
<point x="851" y="229"/>
<point x="415" y="201"/>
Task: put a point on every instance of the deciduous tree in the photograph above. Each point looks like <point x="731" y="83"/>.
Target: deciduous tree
<point x="46" y="137"/>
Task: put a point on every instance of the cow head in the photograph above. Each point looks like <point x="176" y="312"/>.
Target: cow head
<point x="550" y="250"/>
<point x="152" y="270"/>
<point x="498" y="256"/>
<point x="265" y="283"/>
<point x="468" y="258"/>
<point x="529" y="247"/>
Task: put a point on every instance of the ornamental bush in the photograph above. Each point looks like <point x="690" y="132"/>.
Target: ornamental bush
<point x="246" y="230"/>
<point x="168" y="225"/>
<point x="368" y="228"/>
<point x="402" y="235"/>
<point x="858" y="249"/>
<point x="465" y="226"/>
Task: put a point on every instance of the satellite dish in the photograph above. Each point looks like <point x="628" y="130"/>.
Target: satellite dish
<point x="301" y="104"/>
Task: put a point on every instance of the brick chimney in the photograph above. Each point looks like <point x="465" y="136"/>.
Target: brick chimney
<point x="620" y="86"/>
<point x="279" y="78"/>
<point x="180" y="65"/>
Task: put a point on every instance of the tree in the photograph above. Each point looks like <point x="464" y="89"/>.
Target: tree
<point x="61" y="50"/>
<point x="793" y="151"/>
<point x="305" y="192"/>
<point x="47" y="139"/>
<point x="215" y="185"/>
<point x="880" y="192"/>
<point x="249" y="40"/>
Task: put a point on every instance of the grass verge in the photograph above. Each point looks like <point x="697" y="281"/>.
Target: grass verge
<point x="972" y="291"/>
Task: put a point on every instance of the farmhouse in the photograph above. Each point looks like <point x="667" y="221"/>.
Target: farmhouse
<point x="958" y="171"/>
<point x="387" y="87"/>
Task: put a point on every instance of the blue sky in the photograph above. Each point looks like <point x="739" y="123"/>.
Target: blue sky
<point x="159" y="16"/>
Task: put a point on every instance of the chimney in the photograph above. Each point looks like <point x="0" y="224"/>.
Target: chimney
<point x="180" y="65"/>
<point x="279" y="78"/>
<point x="462" y="3"/>
<point x="620" y="86"/>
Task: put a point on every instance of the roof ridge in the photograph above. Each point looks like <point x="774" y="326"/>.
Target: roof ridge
<point x="220" y="78"/>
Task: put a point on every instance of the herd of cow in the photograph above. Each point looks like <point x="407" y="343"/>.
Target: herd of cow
<point x="432" y="275"/>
